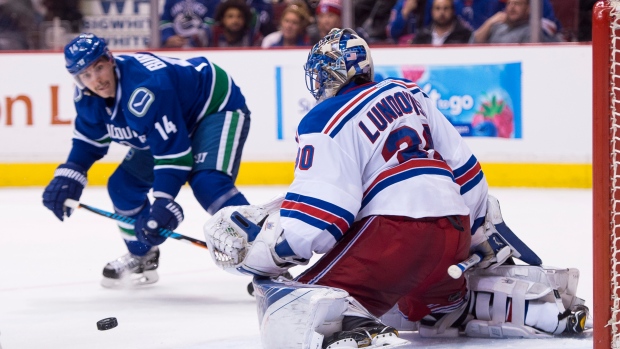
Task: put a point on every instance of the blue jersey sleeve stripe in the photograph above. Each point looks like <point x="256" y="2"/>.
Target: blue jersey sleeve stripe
<point x="321" y="204"/>
<point x="472" y="183"/>
<point x="466" y="167"/>
<point x="315" y="222"/>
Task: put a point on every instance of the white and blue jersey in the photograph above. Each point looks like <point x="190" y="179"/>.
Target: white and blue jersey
<point x="158" y="105"/>
<point x="377" y="149"/>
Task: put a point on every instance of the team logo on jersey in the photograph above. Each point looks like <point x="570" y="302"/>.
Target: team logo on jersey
<point x="140" y="101"/>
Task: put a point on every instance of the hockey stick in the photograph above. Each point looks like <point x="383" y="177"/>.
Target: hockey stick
<point x="455" y="271"/>
<point x="117" y="217"/>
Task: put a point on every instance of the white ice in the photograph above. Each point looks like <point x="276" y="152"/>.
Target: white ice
<point x="50" y="295"/>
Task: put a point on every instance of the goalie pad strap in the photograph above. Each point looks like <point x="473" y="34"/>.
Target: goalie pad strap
<point x="518" y="303"/>
<point x="499" y="308"/>
<point x="550" y="288"/>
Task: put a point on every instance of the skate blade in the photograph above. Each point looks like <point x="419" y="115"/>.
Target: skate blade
<point x="132" y="280"/>
<point x="393" y="342"/>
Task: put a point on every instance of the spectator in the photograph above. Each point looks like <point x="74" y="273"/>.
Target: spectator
<point x="373" y="16"/>
<point x="18" y="25"/>
<point x="585" y="20"/>
<point x="232" y="27"/>
<point x="262" y="16"/>
<point x="405" y="19"/>
<point x="445" y="29"/>
<point x="511" y="26"/>
<point x="184" y="22"/>
<point x="293" y="24"/>
<point x="473" y="13"/>
<point x="66" y="10"/>
<point x="328" y="15"/>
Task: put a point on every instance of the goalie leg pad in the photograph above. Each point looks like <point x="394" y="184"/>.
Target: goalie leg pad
<point x="294" y="315"/>
<point x="398" y="320"/>
<point x="549" y="291"/>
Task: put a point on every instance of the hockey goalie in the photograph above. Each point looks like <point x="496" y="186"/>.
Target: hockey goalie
<point x="389" y="193"/>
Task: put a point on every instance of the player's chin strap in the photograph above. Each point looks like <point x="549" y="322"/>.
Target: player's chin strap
<point x="248" y="239"/>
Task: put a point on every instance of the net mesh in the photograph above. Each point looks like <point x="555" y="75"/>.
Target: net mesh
<point x="614" y="322"/>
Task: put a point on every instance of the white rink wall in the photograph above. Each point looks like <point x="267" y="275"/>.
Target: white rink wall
<point x="36" y="106"/>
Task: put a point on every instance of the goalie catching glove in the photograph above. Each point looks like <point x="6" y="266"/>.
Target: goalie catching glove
<point x="249" y="240"/>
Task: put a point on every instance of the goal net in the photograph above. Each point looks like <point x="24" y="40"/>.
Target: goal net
<point x="606" y="172"/>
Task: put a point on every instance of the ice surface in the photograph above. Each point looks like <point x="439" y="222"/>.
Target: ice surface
<point x="50" y="295"/>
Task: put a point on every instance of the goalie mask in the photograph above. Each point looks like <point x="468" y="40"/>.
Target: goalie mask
<point x="337" y="59"/>
<point x="82" y="52"/>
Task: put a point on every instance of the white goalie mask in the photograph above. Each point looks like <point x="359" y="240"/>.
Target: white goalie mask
<point x="337" y="59"/>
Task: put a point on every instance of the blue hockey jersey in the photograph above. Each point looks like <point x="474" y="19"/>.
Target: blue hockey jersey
<point x="159" y="103"/>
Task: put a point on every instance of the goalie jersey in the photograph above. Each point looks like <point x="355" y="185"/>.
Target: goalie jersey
<point x="159" y="103"/>
<point x="377" y="149"/>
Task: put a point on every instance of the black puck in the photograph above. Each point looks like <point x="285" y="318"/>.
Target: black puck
<point x="107" y="323"/>
<point x="251" y="289"/>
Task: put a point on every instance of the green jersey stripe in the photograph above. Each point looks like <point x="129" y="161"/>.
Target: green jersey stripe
<point x="128" y="233"/>
<point x="230" y="140"/>
<point x="219" y="91"/>
<point x="173" y="156"/>
<point x="183" y="161"/>
<point x="99" y="143"/>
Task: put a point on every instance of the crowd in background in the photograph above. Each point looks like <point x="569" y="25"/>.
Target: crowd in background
<point x="277" y="23"/>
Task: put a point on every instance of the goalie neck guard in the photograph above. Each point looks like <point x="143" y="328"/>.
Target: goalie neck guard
<point x="337" y="59"/>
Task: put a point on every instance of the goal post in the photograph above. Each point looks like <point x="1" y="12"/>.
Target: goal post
<point x="606" y="172"/>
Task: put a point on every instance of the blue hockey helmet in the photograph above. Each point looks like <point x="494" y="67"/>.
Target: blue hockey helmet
<point x="338" y="58"/>
<point x="83" y="51"/>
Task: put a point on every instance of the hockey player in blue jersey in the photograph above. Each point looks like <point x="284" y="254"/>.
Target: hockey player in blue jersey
<point x="184" y="121"/>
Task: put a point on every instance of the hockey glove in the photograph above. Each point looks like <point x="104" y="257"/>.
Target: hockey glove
<point x="68" y="182"/>
<point x="164" y="213"/>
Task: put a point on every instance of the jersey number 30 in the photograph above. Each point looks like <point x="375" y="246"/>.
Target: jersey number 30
<point x="305" y="156"/>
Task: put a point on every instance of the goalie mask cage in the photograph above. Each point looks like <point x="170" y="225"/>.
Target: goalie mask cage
<point x="606" y="172"/>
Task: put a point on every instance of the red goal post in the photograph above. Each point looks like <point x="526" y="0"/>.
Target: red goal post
<point x="606" y="172"/>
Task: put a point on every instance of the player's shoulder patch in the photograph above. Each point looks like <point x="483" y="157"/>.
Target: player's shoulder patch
<point x="140" y="101"/>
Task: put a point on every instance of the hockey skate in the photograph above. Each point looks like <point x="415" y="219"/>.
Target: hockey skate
<point x="577" y="319"/>
<point x="374" y="335"/>
<point x="131" y="270"/>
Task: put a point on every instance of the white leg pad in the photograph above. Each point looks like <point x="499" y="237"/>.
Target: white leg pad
<point x="297" y="316"/>
<point x="521" y="284"/>
<point x="542" y="281"/>
<point x="484" y="329"/>
<point x="398" y="320"/>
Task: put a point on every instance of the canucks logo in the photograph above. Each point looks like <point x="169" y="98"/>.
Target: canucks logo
<point x="140" y="101"/>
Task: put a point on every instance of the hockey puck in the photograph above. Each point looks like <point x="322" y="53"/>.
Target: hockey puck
<point x="107" y="323"/>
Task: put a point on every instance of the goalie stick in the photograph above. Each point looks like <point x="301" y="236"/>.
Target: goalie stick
<point x="455" y="271"/>
<point x="117" y="217"/>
